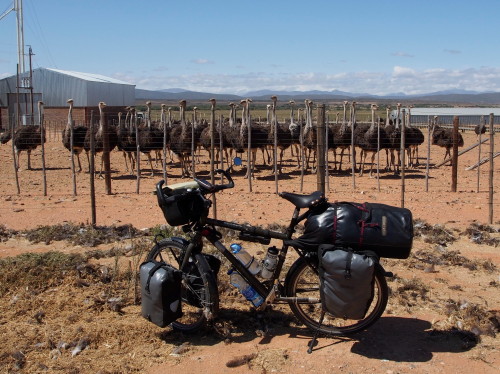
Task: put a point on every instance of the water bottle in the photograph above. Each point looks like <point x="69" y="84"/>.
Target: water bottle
<point x="245" y="258"/>
<point x="269" y="263"/>
<point x="246" y="290"/>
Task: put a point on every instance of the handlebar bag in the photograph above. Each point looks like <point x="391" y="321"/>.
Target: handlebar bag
<point x="346" y="281"/>
<point x="181" y="206"/>
<point x="383" y="229"/>
<point x="160" y="292"/>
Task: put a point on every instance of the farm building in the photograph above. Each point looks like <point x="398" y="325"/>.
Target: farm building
<point x="468" y="117"/>
<point x="54" y="87"/>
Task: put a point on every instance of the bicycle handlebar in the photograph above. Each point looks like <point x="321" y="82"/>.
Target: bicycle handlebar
<point x="208" y="187"/>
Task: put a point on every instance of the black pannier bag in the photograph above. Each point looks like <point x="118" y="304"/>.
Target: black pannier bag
<point x="182" y="205"/>
<point x="346" y="281"/>
<point x="383" y="229"/>
<point x="160" y="292"/>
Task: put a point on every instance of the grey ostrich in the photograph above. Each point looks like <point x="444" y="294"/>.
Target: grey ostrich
<point x="79" y="134"/>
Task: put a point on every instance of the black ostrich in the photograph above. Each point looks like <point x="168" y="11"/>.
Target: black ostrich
<point x="309" y="136"/>
<point x="26" y="138"/>
<point x="480" y="128"/>
<point x="283" y="136"/>
<point x="294" y="128"/>
<point x="259" y="135"/>
<point x="79" y="134"/>
<point x="127" y="138"/>
<point x="366" y="137"/>
<point x="98" y="137"/>
<point x="342" y="137"/>
<point x="150" y="138"/>
<point x="180" y="140"/>
<point x="443" y="137"/>
<point x="206" y="138"/>
<point x="414" y="137"/>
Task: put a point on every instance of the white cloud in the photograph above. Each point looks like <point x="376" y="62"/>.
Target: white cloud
<point x="452" y="51"/>
<point x="202" y="61"/>
<point x="401" y="54"/>
<point x="400" y="79"/>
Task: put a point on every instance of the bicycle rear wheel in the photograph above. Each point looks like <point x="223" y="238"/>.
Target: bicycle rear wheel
<point x="303" y="281"/>
<point x="199" y="287"/>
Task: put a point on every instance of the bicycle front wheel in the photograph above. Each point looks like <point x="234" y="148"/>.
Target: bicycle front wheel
<point x="303" y="281"/>
<point x="199" y="287"/>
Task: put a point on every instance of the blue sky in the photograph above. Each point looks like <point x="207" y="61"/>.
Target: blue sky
<point x="376" y="47"/>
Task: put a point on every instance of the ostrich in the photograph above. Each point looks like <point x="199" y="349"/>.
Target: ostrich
<point x="99" y="138"/>
<point x="283" y="137"/>
<point x="414" y="137"/>
<point x="342" y="136"/>
<point x="480" y="128"/>
<point x="126" y="138"/>
<point x="394" y="134"/>
<point x="180" y="140"/>
<point x="294" y="128"/>
<point x="259" y="136"/>
<point x="368" y="141"/>
<point x="79" y="134"/>
<point x="206" y="138"/>
<point x="150" y="138"/>
<point x="444" y="138"/>
<point x="26" y="138"/>
<point x="309" y="135"/>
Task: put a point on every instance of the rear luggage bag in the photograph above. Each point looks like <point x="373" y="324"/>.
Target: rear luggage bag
<point x="346" y="281"/>
<point x="160" y="292"/>
<point x="384" y="229"/>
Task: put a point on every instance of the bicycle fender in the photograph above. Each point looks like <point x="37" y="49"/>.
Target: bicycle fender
<point x="180" y="240"/>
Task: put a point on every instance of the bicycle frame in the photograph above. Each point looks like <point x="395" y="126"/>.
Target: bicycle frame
<point x="265" y="288"/>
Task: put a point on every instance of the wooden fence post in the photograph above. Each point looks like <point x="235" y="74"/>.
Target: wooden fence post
<point x="92" y="169"/>
<point x="490" y="183"/>
<point x="212" y="153"/>
<point x="320" y="150"/>
<point x="42" y="139"/>
<point x="402" y="157"/>
<point x="454" y="168"/>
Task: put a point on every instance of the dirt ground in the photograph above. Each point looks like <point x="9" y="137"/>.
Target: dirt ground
<point x="443" y="314"/>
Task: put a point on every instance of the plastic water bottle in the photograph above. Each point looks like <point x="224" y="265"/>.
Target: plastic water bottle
<point x="246" y="290"/>
<point x="270" y="262"/>
<point x="245" y="258"/>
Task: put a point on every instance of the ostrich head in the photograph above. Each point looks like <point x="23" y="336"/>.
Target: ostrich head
<point x="213" y="101"/>
<point x="70" y="102"/>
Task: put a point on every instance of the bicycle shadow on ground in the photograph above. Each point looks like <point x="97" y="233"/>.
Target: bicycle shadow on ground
<point x="391" y="338"/>
<point x="409" y="340"/>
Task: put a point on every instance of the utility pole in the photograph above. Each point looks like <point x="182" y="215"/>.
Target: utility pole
<point x="18" y="8"/>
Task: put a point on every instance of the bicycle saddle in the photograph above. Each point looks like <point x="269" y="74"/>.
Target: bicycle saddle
<point x="304" y="201"/>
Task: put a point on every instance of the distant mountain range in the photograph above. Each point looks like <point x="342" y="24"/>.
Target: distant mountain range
<point x="445" y="97"/>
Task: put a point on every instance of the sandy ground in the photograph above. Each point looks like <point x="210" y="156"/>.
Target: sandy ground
<point x="417" y="334"/>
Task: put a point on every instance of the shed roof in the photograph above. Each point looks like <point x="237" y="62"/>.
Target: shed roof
<point x="90" y="77"/>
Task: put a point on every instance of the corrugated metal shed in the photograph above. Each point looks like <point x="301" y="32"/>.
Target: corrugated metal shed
<point x="57" y="86"/>
<point x="467" y="116"/>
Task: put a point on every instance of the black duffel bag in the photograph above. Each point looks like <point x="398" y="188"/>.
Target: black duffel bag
<point x="383" y="229"/>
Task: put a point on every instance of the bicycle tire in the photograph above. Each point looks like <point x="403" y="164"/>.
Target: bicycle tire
<point x="200" y="298"/>
<point x="302" y="280"/>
